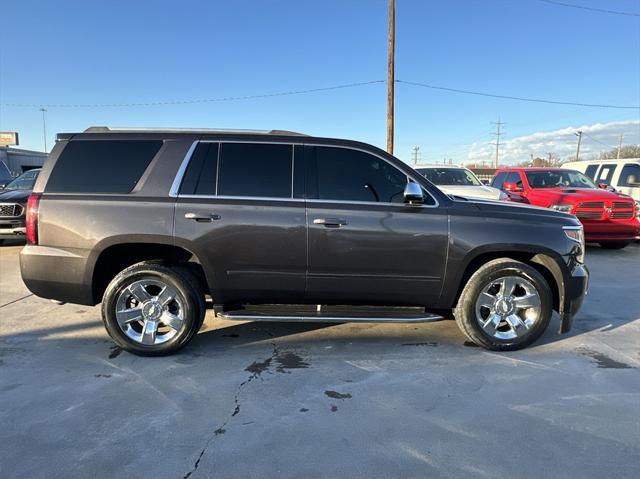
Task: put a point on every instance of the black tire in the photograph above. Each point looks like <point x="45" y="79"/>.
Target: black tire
<point x="188" y="292"/>
<point x="465" y="310"/>
<point x="614" y="244"/>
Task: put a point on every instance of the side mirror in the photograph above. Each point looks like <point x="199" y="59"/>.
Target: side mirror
<point x="413" y="194"/>
<point x="603" y="186"/>
<point x="512" y="187"/>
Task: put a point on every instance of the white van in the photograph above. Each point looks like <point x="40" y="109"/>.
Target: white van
<point x="623" y="175"/>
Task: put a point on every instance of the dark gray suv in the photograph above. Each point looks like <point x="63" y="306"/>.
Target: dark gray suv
<point x="280" y="226"/>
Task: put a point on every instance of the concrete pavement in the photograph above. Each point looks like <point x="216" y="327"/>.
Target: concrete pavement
<point x="313" y="400"/>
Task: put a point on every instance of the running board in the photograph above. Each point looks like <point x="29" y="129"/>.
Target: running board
<point x="391" y="315"/>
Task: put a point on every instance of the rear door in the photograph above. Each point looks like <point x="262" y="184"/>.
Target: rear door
<point x="237" y="212"/>
<point x="366" y="246"/>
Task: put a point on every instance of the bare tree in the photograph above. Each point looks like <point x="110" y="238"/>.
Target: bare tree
<point x="627" y="151"/>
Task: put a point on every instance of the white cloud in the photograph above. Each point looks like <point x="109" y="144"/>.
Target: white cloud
<point x="596" y="138"/>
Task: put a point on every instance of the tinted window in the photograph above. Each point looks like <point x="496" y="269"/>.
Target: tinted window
<point x="514" y="177"/>
<point x="101" y="166"/>
<point x="558" y="179"/>
<point x="351" y="175"/>
<point x="24" y="182"/>
<point x="630" y="175"/>
<point x="606" y="174"/>
<point x="201" y="175"/>
<point x="4" y="171"/>
<point x="449" y="176"/>
<point x="254" y="169"/>
<point x="591" y="171"/>
<point x="498" y="180"/>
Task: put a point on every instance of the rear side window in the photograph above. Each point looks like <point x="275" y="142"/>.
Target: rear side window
<point x="101" y="166"/>
<point x="255" y="170"/>
<point x="591" y="171"/>
<point x="498" y="180"/>
<point x="630" y="175"/>
<point x="202" y="173"/>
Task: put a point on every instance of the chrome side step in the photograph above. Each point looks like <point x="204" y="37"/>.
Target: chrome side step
<point x="331" y="315"/>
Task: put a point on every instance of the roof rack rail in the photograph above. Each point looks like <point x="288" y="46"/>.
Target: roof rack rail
<point x="108" y="129"/>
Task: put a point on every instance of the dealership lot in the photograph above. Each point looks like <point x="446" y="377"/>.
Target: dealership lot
<point x="315" y="400"/>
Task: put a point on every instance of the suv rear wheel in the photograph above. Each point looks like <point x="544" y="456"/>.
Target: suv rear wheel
<point x="506" y="305"/>
<point x="152" y="309"/>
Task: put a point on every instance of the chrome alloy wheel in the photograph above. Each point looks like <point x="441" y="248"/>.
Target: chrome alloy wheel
<point x="508" y="307"/>
<point x="149" y="312"/>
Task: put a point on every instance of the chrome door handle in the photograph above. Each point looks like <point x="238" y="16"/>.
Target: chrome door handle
<point x="202" y="218"/>
<point x="330" y="222"/>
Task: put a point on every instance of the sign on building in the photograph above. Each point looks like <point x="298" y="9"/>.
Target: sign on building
<point x="8" y="138"/>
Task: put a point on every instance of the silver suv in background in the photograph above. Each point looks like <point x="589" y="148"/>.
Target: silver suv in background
<point x="459" y="181"/>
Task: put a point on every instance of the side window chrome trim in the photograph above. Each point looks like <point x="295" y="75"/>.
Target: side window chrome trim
<point x="298" y="200"/>
<point x="177" y="181"/>
<point x="242" y="198"/>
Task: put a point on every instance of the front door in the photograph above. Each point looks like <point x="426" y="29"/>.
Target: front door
<point x="366" y="246"/>
<point x="237" y="210"/>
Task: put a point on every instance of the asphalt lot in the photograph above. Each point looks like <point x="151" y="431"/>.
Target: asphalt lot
<point x="313" y="401"/>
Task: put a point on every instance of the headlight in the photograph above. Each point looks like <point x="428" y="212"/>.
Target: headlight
<point x="576" y="233"/>
<point x="562" y="208"/>
<point x="638" y="209"/>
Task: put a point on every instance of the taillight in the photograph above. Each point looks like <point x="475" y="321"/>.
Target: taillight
<point x="32" y="218"/>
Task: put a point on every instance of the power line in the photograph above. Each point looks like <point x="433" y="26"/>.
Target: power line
<point x="186" y="102"/>
<point x="518" y="98"/>
<point x="316" y="90"/>
<point x="598" y="141"/>
<point x="592" y="9"/>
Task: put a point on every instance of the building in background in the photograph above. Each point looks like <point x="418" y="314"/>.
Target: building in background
<point x="18" y="160"/>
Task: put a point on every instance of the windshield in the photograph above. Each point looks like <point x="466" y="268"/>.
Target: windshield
<point x="23" y="182"/>
<point x="558" y="179"/>
<point x="450" y="176"/>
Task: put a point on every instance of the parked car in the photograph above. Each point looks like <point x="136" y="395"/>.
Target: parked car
<point x="622" y="175"/>
<point x="5" y="175"/>
<point x="13" y="201"/>
<point x="459" y="181"/>
<point x="149" y="222"/>
<point x="609" y="218"/>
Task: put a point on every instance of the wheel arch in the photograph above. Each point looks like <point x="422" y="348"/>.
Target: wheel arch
<point x="112" y="259"/>
<point x="547" y="262"/>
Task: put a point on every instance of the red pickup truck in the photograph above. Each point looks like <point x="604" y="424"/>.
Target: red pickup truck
<point x="609" y="218"/>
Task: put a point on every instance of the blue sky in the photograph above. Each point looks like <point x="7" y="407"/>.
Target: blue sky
<point x="79" y="52"/>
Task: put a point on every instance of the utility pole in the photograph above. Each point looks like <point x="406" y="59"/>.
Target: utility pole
<point x="497" y="143"/>
<point x="620" y="146"/>
<point x="44" y="128"/>
<point x="391" y="74"/>
<point x="579" y="135"/>
<point x="414" y="154"/>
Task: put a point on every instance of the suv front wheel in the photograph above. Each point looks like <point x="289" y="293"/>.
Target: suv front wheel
<point x="506" y="305"/>
<point x="152" y="309"/>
